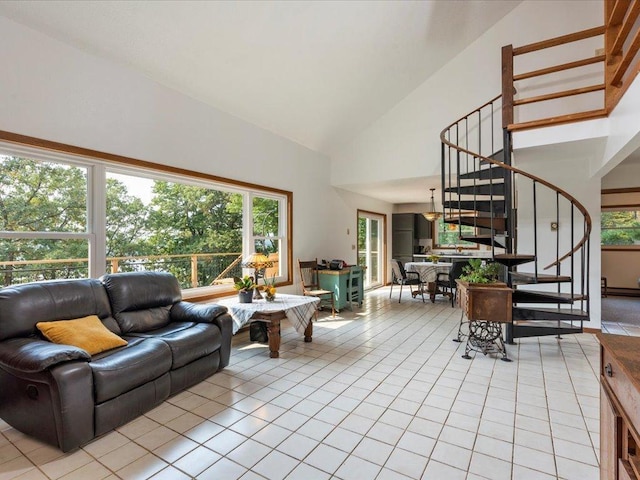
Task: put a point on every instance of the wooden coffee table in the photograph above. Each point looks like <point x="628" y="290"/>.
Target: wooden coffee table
<point x="298" y="309"/>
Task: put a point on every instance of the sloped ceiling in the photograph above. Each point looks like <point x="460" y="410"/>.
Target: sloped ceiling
<point x="315" y="72"/>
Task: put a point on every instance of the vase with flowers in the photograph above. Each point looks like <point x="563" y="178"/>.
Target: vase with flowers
<point x="270" y="289"/>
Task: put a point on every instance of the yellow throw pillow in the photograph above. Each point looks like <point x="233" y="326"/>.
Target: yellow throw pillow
<point x="87" y="333"/>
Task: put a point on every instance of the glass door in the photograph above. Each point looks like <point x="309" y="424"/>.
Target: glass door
<point x="371" y="247"/>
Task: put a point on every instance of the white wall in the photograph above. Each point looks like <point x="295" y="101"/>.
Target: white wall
<point x="55" y="92"/>
<point x="405" y="141"/>
<point x="568" y="163"/>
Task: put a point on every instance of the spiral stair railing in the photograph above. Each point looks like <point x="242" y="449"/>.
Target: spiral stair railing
<point x="505" y="207"/>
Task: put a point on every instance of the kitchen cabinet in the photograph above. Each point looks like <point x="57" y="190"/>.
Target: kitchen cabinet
<point x="619" y="407"/>
<point x="423" y="226"/>
<point x="407" y="229"/>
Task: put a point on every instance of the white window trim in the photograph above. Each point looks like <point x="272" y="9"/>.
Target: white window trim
<point x="96" y="207"/>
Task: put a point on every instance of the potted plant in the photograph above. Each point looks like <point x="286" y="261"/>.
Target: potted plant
<point x="481" y="271"/>
<point x="270" y="289"/>
<point x="482" y="295"/>
<point x="245" y="288"/>
<point x="434" y="258"/>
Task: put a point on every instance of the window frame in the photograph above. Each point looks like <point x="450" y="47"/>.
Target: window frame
<point x="619" y="199"/>
<point x="98" y="164"/>
<point x="435" y="233"/>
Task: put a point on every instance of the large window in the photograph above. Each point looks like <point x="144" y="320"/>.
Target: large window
<point x="43" y="220"/>
<point x="620" y="227"/>
<point x="447" y="235"/>
<point x="64" y="218"/>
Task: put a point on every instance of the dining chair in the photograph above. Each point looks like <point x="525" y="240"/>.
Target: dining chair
<point x="446" y="281"/>
<point x="401" y="277"/>
<point x="354" y="286"/>
<point x="311" y="284"/>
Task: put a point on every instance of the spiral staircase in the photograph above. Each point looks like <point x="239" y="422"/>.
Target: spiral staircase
<point x="506" y="206"/>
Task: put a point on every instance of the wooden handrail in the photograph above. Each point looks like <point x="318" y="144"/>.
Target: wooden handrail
<point x="563" y="94"/>
<point x="554" y="42"/>
<point x="625" y="29"/>
<point x="559" y="68"/>
<point x="622" y="18"/>
<point x="617" y="13"/>
<point x="627" y="58"/>
<point x="558" y="120"/>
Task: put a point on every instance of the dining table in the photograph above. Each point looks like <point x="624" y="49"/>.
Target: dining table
<point x="427" y="270"/>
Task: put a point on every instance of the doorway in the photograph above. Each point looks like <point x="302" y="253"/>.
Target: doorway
<point x="371" y="247"/>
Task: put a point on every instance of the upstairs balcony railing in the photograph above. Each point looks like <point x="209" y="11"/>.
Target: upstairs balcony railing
<point x="574" y="77"/>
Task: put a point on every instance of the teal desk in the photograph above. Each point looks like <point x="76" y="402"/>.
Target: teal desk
<point x="336" y="281"/>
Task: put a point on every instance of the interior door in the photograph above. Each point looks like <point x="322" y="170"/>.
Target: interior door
<point x="371" y="228"/>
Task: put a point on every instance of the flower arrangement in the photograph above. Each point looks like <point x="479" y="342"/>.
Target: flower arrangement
<point x="434" y="258"/>
<point x="270" y="289"/>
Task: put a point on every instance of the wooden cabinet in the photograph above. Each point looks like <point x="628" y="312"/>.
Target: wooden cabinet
<point x="619" y="407"/>
<point x="489" y="302"/>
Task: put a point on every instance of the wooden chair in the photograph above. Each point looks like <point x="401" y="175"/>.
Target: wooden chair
<point x="354" y="286"/>
<point x="401" y="277"/>
<point x="311" y="285"/>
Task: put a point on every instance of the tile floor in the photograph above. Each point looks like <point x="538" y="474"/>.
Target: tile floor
<point x="381" y="393"/>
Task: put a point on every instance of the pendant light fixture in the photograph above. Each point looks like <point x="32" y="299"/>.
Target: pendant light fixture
<point x="432" y="214"/>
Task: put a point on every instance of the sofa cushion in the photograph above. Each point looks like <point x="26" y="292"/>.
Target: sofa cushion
<point x="119" y="371"/>
<point x="22" y="306"/>
<point x="141" y="291"/>
<point x="87" y="333"/>
<point x="143" y="320"/>
<point x="188" y="341"/>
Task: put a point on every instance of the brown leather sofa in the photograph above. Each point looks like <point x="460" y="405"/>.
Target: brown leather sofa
<point x="62" y="395"/>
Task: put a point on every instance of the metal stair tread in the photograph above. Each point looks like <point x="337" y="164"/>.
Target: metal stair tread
<point x="524" y="329"/>
<point x="476" y="205"/>
<point x="540" y="296"/>
<point x="531" y="278"/>
<point x="513" y="259"/>
<point x="486" y="240"/>
<point x="495" y="223"/>
<point x="483" y="189"/>
<point x="535" y="313"/>
<point x="486" y="173"/>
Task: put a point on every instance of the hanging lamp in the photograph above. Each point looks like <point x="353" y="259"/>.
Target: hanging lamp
<point x="432" y="214"/>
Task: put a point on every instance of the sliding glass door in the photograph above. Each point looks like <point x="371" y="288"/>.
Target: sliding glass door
<point x="371" y="228"/>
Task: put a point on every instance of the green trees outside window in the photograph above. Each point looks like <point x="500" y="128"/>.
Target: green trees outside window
<point x="192" y="231"/>
<point x="620" y="227"/>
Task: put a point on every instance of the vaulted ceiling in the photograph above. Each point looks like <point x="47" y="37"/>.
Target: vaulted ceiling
<point x="315" y="72"/>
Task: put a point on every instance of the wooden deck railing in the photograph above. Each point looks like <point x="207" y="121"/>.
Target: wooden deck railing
<point x="619" y="60"/>
<point x="222" y="266"/>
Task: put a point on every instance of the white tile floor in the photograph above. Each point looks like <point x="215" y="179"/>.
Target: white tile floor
<point x="381" y="393"/>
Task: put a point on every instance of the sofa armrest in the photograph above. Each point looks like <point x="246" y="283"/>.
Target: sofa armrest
<point x="31" y="355"/>
<point x="207" y="313"/>
<point x="196" y="312"/>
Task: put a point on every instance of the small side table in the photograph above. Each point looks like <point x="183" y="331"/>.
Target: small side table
<point x="299" y="310"/>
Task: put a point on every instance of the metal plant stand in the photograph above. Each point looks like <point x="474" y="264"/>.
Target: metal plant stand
<point x="485" y="337"/>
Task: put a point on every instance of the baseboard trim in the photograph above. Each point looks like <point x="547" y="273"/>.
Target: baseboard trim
<point x="623" y="292"/>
